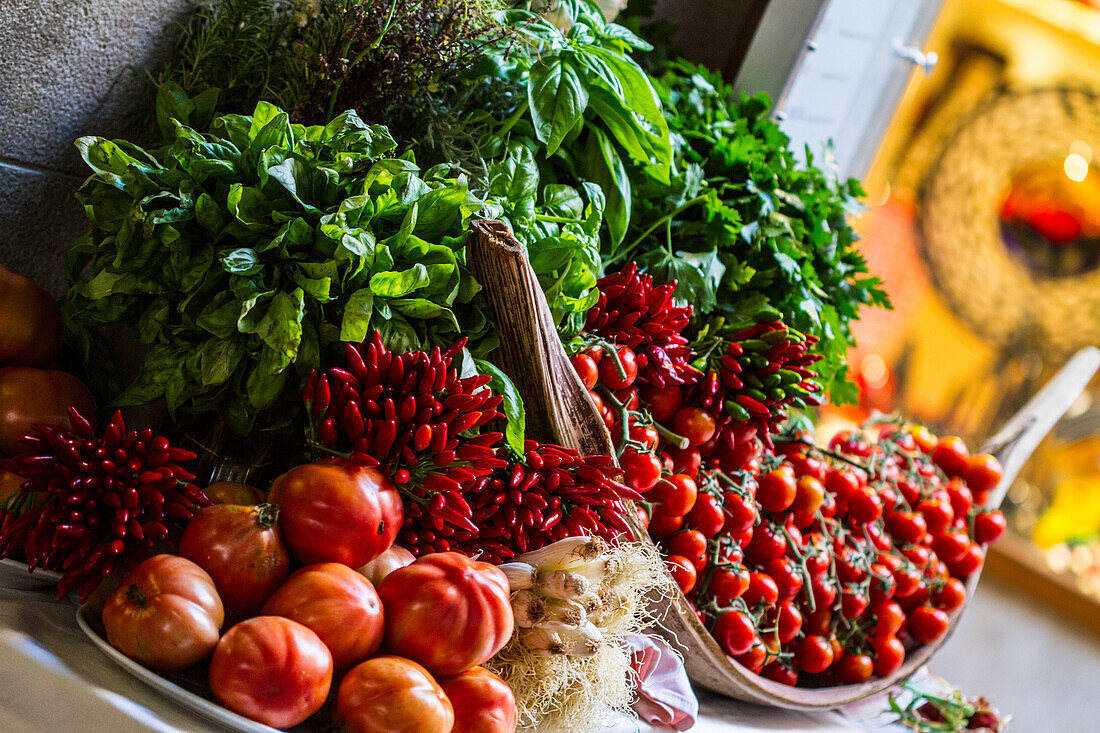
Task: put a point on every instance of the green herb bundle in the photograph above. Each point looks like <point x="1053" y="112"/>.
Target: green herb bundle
<point x="239" y="256"/>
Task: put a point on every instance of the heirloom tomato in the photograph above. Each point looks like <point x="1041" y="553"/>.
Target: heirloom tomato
<point x="483" y="702"/>
<point x="335" y="511"/>
<point x="271" y="670"/>
<point x="472" y="597"/>
<point x="377" y="569"/>
<point x="392" y="695"/>
<point x="166" y="614"/>
<point x="31" y="396"/>
<point x="234" y="492"/>
<point x="241" y="549"/>
<point x="336" y="603"/>
<point x="30" y="322"/>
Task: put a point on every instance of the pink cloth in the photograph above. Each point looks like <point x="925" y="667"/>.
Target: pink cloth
<point x="665" y="697"/>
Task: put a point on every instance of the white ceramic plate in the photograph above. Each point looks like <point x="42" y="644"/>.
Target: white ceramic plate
<point x="197" y="698"/>
<point x="14" y="574"/>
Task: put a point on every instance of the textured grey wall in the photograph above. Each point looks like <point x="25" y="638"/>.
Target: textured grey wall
<point x="70" y="68"/>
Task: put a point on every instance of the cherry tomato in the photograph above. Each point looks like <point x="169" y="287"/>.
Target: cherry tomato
<point x="889" y="653"/>
<point x="336" y="603"/>
<point x="642" y="470"/>
<point x="662" y="525"/>
<point x="989" y="526"/>
<point x="813" y="654"/>
<point x="951" y="546"/>
<point x="808" y="465"/>
<point x="922" y="438"/>
<point x="777" y="489"/>
<point x="907" y="581"/>
<point x="643" y="516"/>
<point x="706" y="516"/>
<point x="842" y="483"/>
<point x="474" y="598"/>
<point x="907" y="527"/>
<point x="779" y="672"/>
<point x="851" y="443"/>
<point x="951" y="455"/>
<point x="585" y="367"/>
<point x="819" y="621"/>
<point x="960" y="496"/>
<point x="823" y="591"/>
<point x="753" y="659"/>
<point x="788" y="578"/>
<point x="675" y="494"/>
<point x="767" y="544"/>
<point x="335" y="511"/>
<point x="728" y="583"/>
<point x="983" y="472"/>
<point x="394" y="695"/>
<point x="854" y="669"/>
<point x="889" y="617"/>
<point x="950" y="595"/>
<point x="682" y="571"/>
<point x="609" y="370"/>
<point x="646" y="435"/>
<point x="605" y="411"/>
<point x="883" y="586"/>
<point x="30" y="323"/>
<point x="483" y="702"/>
<point x="695" y="424"/>
<point x="735" y="633"/>
<point x="32" y="396"/>
<point x="271" y="670"/>
<point x="663" y="402"/>
<point x="165" y="615"/>
<point x="809" y="495"/>
<point x="864" y="506"/>
<point x="852" y="604"/>
<point x="788" y="621"/>
<point x="926" y="624"/>
<point x="377" y="569"/>
<point x="686" y="461"/>
<point x="937" y="514"/>
<point x="740" y="513"/>
<point x="762" y="588"/>
<point x="690" y="544"/>
<point x="240" y="547"/>
<point x="969" y="563"/>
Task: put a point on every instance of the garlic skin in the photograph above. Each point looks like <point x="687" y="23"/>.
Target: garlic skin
<point x="562" y="583"/>
<point x="520" y="575"/>
<point x="529" y="609"/>
<point x="567" y="554"/>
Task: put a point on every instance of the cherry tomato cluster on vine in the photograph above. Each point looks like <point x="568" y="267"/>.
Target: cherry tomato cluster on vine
<point x="830" y="563"/>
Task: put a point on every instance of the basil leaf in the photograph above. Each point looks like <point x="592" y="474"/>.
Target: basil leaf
<point x="558" y="99"/>
<point x="515" y="431"/>
<point x="393" y="284"/>
<point x="355" y="325"/>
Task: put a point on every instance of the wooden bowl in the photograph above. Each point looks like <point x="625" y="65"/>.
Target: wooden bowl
<point x="559" y="409"/>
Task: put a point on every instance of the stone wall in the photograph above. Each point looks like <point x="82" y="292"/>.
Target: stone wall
<point x="70" y="68"/>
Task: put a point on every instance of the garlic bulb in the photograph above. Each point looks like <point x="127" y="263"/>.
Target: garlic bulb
<point x="520" y="575"/>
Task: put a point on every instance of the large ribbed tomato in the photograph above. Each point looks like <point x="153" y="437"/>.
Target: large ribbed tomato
<point x="447" y="612"/>
<point x="335" y="511"/>
<point x="272" y="670"/>
<point x="166" y="614"/>
<point x="336" y="603"/>
<point x="483" y="702"/>
<point x="241" y="548"/>
<point x="392" y="695"/>
<point x="30" y="322"/>
<point x="30" y="396"/>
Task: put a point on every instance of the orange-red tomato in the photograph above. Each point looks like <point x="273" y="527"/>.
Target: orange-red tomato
<point x="336" y="603"/>
<point x="447" y="612"/>
<point x="241" y="548"/>
<point x="392" y="695"/>
<point x="271" y="670"/>
<point x="165" y="615"/>
<point x="31" y="396"/>
<point x="30" y="322"/>
<point x="377" y="569"/>
<point x="483" y="702"/>
<point x="335" y="511"/>
<point x="234" y="492"/>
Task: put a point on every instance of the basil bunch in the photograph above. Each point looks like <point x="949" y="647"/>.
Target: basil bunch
<point x="239" y="256"/>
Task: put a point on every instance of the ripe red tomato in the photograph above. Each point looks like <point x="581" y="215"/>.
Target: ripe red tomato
<point x="30" y="322"/>
<point x="864" y="506"/>
<point x="663" y="402"/>
<point x="842" y="483"/>
<point x="483" y="702"/>
<point x="686" y="461"/>
<point x="969" y="563"/>
<point x="807" y="465"/>
<point x="766" y="545"/>
<point x="813" y="654"/>
<point x="937" y="514"/>
<point x="32" y="396"/>
<point x="661" y="525"/>
<point x="735" y="633"/>
<point x="926" y="624"/>
<point x="682" y="571"/>
<point x="780" y="672"/>
<point x="165" y="615"/>
<point x="675" y="494"/>
<point x="690" y="544"/>
<point x="695" y="424"/>
<point x="706" y="515"/>
<point x="241" y="548"/>
<point x="740" y="513"/>
<point x="642" y="470"/>
<point x="377" y="569"/>
<point x="983" y="473"/>
<point x="889" y="653"/>
<point x="923" y="438"/>
<point x="906" y="527"/>
<point x="809" y="495"/>
<point x="234" y="492"/>
<point x="854" y="669"/>
<point x="787" y="577"/>
<point x="753" y="659"/>
<point x="728" y="583"/>
<point x="788" y="621"/>
<point x="336" y="603"/>
<point x="951" y="546"/>
<point x="271" y="670"/>
<point x="951" y="455"/>
<point x="585" y="367"/>
<point x="474" y="598"/>
<point x="989" y="526"/>
<point x="777" y="489"/>
<point x="762" y="588"/>
<point x="950" y="595"/>
<point x="609" y="372"/>
<point x="392" y="695"/>
<point x="819" y="621"/>
<point x="852" y="604"/>
<point x="335" y="511"/>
